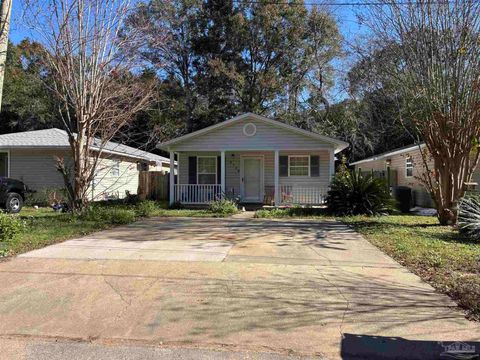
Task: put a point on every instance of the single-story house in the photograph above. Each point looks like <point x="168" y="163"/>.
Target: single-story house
<point x="253" y="159"/>
<point x="30" y="156"/>
<point x="405" y="165"/>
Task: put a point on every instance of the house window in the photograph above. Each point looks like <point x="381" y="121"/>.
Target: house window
<point x="116" y="168"/>
<point x="408" y="166"/>
<point x="4" y="164"/>
<point x="299" y="165"/>
<point x="207" y="170"/>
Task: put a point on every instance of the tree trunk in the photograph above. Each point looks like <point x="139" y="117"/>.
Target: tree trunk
<point x="452" y="174"/>
<point x="63" y="169"/>
<point x="81" y="181"/>
<point x="5" y="12"/>
<point x="78" y="185"/>
<point x="447" y="216"/>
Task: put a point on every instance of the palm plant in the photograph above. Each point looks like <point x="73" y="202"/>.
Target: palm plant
<point x="469" y="217"/>
<point x="352" y="193"/>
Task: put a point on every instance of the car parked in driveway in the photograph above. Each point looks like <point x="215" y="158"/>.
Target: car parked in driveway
<point x="12" y="194"/>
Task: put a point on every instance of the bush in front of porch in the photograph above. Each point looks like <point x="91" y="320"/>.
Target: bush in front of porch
<point x="217" y="208"/>
<point x="352" y="193"/>
<point x="223" y="207"/>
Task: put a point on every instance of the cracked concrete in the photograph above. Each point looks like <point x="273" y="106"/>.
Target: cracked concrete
<point x="247" y="288"/>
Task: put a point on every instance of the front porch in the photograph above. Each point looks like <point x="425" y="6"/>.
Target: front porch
<point x="268" y="177"/>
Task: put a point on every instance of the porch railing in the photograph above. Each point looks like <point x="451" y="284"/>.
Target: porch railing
<point x="289" y="194"/>
<point x="196" y="193"/>
<point x="292" y="194"/>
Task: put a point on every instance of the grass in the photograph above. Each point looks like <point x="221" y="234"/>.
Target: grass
<point x="438" y="254"/>
<point x="44" y="226"/>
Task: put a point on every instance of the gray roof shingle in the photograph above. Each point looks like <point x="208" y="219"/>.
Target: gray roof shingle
<point x="57" y="138"/>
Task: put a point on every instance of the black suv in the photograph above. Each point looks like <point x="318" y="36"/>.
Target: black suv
<point x="12" y="194"/>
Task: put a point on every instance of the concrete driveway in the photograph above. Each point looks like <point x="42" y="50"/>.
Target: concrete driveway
<point x="209" y="288"/>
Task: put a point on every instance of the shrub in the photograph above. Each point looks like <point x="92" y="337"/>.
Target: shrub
<point x="305" y="211"/>
<point x="131" y="199"/>
<point x="121" y="216"/>
<point x="10" y="228"/>
<point x="46" y="197"/>
<point x="352" y="193"/>
<point x="290" y="212"/>
<point x="146" y="208"/>
<point x="274" y="213"/>
<point x="469" y="217"/>
<point x="110" y="215"/>
<point x="223" y="207"/>
<point x="176" y="206"/>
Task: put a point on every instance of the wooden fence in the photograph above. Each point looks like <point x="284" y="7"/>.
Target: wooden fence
<point x="153" y="185"/>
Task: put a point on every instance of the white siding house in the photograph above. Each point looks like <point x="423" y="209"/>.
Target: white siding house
<point x="30" y="156"/>
<point x="254" y="159"/>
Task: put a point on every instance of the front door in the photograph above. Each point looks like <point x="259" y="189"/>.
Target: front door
<point x="252" y="179"/>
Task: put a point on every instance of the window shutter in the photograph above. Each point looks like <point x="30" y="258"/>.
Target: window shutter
<point x="219" y="170"/>
<point x="192" y="169"/>
<point x="283" y="165"/>
<point x="314" y="165"/>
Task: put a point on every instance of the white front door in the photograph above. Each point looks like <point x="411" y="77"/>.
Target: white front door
<point x="252" y="179"/>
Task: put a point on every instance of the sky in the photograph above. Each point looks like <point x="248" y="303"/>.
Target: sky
<point x="344" y="13"/>
<point x="17" y="31"/>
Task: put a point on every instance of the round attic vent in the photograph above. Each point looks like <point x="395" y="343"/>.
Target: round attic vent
<point x="249" y="129"/>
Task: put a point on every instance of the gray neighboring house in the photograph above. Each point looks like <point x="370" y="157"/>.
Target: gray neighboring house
<point x="30" y="156"/>
<point x="255" y="159"/>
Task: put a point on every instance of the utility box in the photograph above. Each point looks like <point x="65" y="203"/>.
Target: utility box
<point x="404" y="197"/>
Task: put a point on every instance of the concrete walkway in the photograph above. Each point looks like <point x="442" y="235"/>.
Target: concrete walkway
<point x="250" y="288"/>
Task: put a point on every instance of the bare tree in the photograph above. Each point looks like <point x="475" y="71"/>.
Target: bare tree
<point x="172" y="50"/>
<point x="93" y="67"/>
<point x="437" y="81"/>
<point x="5" y="12"/>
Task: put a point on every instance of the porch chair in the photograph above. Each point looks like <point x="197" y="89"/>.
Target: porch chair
<point x="287" y="195"/>
<point x="269" y="197"/>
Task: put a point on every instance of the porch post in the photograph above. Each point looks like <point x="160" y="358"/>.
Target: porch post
<point x="332" y="163"/>
<point x="277" y="182"/>
<point x="172" y="178"/>
<point x="222" y="172"/>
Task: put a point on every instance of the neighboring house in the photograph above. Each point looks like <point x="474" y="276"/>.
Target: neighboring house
<point x="30" y="156"/>
<point x="254" y="159"/>
<point x="406" y="166"/>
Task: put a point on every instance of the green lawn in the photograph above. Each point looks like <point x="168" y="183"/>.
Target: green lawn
<point x="438" y="254"/>
<point x="43" y="226"/>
